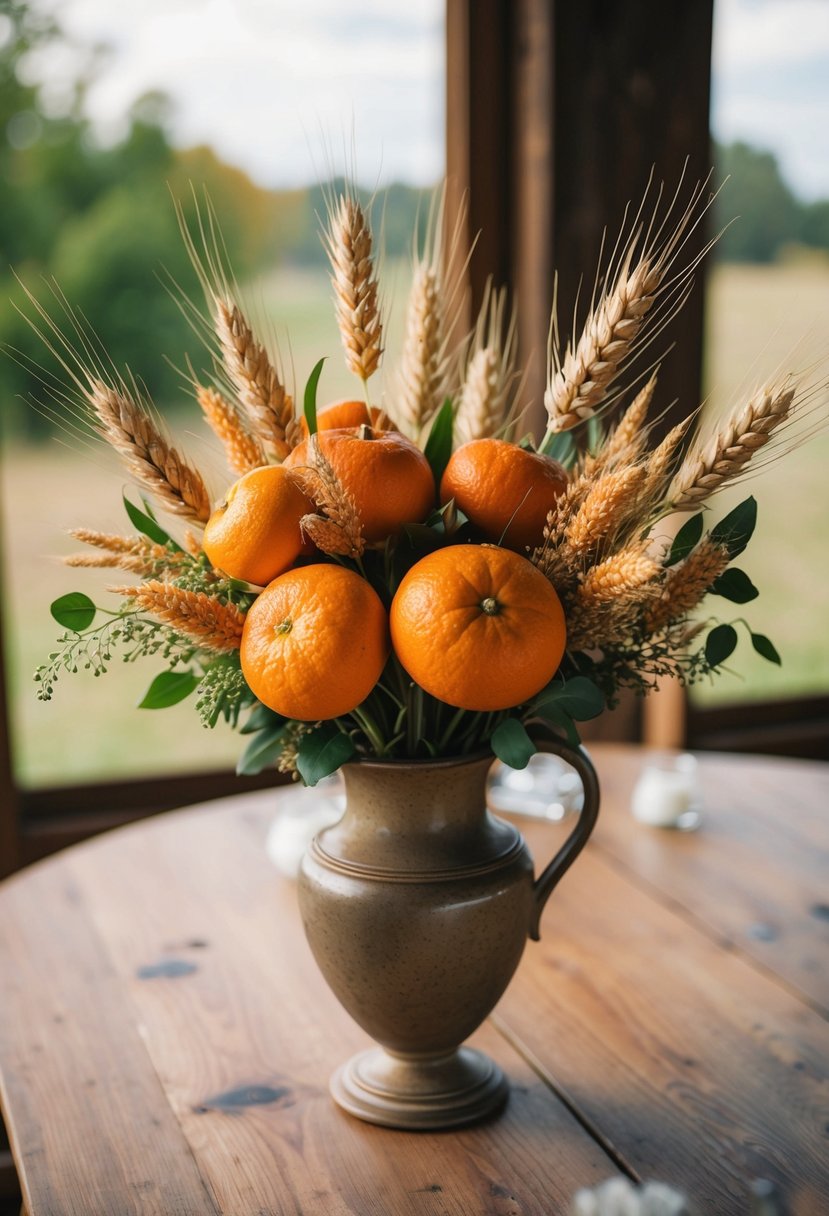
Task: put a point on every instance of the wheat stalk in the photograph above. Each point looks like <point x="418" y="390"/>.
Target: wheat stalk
<point x="614" y="329"/>
<point x="627" y="441"/>
<point x="242" y="450"/>
<point x="490" y="372"/>
<point x="147" y="453"/>
<point x="348" y="241"/>
<point x="687" y="583"/>
<point x="422" y="374"/>
<point x="617" y="576"/>
<point x="137" y="554"/>
<point x="337" y="529"/>
<point x="257" y="382"/>
<point x="725" y="456"/>
<point x="660" y="465"/>
<point x="606" y="508"/>
<point x="208" y="622"/>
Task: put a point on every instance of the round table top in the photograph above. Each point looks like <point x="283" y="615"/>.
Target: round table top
<point x="166" y="1039"/>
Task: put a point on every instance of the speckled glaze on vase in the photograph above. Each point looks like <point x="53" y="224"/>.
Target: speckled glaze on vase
<point x="417" y="905"/>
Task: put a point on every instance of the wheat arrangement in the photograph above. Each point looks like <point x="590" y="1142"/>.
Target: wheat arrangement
<point x="628" y="543"/>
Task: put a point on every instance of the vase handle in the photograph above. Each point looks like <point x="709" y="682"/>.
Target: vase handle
<point x="575" y="842"/>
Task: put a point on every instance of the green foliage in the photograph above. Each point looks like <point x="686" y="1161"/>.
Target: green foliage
<point x="736" y="529"/>
<point x="720" y="644"/>
<point x="439" y="443"/>
<point x="322" y="751"/>
<point x="512" y="744"/>
<point x="74" y="611"/>
<point x="168" y="688"/>
<point x="686" y="539"/>
<point x="310" y="398"/>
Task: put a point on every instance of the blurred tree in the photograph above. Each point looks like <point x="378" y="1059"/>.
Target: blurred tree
<point x="765" y="213"/>
<point x="101" y="222"/>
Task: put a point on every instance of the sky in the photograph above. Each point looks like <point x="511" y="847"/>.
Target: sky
<point x="280" y="87"/>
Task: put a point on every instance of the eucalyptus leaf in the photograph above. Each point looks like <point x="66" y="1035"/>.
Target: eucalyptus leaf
<point x="735" y="585"/>
<point x="578" y="697"/>
<point x="74" y="611"/>
<point x="553" y="715"/>
<point x="512" y="744"/>
<point x="439" y="444"/>
<point x="766" y="648"/>
<point x="310" y="398"/>
<point x="169" y="688"/>
<point x="719" y="644"/>
<point x="686" y="539"/>
<point x="736" y="529"/>
<point x="321" y="752"/>
<point x="262" y="751"/>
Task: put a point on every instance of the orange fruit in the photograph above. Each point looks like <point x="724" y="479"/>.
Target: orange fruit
<point x="254" y="534"/>
<point x="506" y="491"/>
<point x="478" y="627"/>
<point x="387" y="477"/>
<point x="315" y="642"/>
<point x="348" y="413"/>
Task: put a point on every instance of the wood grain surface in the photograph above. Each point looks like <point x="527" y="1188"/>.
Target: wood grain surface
<point x="165" y="1038"/>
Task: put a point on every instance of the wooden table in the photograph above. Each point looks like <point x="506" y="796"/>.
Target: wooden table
<point x="165" y="1039"/>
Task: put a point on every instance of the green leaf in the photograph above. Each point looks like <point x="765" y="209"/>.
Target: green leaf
<point x="322" y="752"/>
<point x="169" y="688"/>
<point x="74" y="611"/>
<point x="578" y="698"/>
<point x="735" y="585"/>
<point x="262" y="751"/>
<point x="310" y="399"/>
<point x="512" y="744"/>
<point x="686" y="539"/>
<point x="560" y="719"/>
<point x="719" y="644"/>
<point x="439" y="444"/>
<point x="147" y="525"/>
<point x="766" y="648"/>
<point x="261" y="718"/>
<point x="561" y="446"/>
<point x="735" y="530"/>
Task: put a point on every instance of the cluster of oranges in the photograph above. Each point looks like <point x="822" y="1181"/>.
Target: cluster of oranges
<point x="475" y="625"/>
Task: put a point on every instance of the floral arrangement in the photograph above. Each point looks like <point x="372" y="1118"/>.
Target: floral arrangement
<point x="416" y="575"/>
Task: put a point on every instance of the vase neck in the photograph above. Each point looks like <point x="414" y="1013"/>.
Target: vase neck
<point x="415" y="817"/>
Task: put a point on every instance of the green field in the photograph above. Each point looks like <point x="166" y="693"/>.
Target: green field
<point x="91" y="728"/>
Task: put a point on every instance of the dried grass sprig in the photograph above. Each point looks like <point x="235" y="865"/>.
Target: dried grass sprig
<point x="640" y="286"/>
<point x="138" y="554"/>
<point x="430" y="362"/>
<point x="348" y="241"/>
<point x="490" y="375"/>
<point x="618" y="576"/>
<point x="147" y="453"/>
<point x="661" y="463"/>
<point x="686" y="584"/>
<point x="242" y="450"/>
<point x="605" y="512"/>
<point x="206" y="621"/>
<point x="336" y="528"/>
<point x="725" y="456"/>
<point x="257" y="381"/>
<point x="627" y="441"/>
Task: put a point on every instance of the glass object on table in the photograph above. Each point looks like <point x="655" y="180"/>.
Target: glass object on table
<point x="668" y="792"/>
<point x="302" y="812"/>
<point x="548" y="788"/>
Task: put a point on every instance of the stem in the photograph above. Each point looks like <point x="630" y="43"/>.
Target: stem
<point x="370" y="730"/>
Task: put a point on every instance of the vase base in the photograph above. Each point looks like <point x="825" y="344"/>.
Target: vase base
<point x="420" y="1093"/>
